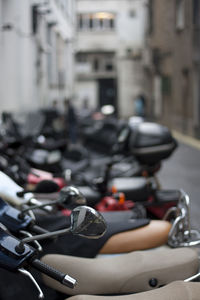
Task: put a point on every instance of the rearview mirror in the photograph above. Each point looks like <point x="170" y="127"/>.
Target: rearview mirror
<point x="87" y="222"/>
<point x="71" y="197"/>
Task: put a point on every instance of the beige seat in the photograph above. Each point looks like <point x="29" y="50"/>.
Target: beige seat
<point x="178" y="290"/>
<point x="129" y="273"/>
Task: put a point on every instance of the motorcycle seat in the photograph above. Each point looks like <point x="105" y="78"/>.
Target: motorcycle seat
<point x="133" y="272"/>
<point x="136" y="188"/>
<point x="178" y="290"/>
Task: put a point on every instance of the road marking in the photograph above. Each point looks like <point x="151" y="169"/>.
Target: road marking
<point x="186" y="139"/>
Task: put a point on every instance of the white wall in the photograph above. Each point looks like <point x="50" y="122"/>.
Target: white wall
<point x="16" y="88"/>
<point x="23" y="56"/>
<point x="129" y="30"/>
<point x="129" y="85"/>
<point x="86" y="89"/>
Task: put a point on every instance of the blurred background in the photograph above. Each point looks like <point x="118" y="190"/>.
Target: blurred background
<point x="98" y="52"/>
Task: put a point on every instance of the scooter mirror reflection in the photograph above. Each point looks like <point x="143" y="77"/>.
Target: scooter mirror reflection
<point x="71" y="197"/>
<point x="87" y="222"/>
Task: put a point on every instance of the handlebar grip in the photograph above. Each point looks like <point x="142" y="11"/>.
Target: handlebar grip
<point x="53" y="273"/>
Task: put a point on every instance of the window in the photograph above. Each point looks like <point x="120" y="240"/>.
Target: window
<point x="109" y="66"/>
<point x="49" y="56"/>
<point x="80" y="22"/>
<point x="91" y="22"/>
<point x="196" y="13"/>
<point x="97" y="62"/>
<point x="166" y="85"/>
<point x="180" y="14"/>
<point x="81" y="57"/>
<point x="132" y="13"/>
<point x="150" y="11"/>
<point x="112" y="23"/>
<point x="96" y="21"/>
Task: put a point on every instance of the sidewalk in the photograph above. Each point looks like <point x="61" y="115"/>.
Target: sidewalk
<point x="186" y="139"/>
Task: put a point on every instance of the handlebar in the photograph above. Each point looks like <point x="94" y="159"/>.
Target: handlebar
<point x="14" y="259"/>
<point x="53" y="273"/>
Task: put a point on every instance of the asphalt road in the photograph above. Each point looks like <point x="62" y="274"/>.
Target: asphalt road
<point x="182" y="171"/>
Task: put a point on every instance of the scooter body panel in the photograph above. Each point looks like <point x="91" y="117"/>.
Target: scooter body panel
<point x="10" y="217"/>
<point x="10" y="259"/>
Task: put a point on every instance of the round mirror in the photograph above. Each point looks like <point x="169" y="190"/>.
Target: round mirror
<point x="87" y="222"/>
<point x="71" y="197"/>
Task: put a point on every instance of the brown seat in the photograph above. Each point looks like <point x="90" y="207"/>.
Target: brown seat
<point x="122" y="274"/>
<point x="150" y="236"/>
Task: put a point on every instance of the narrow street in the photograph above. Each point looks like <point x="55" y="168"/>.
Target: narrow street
<point x="182" y="171"/>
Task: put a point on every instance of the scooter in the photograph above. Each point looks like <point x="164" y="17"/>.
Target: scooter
<point x="16" y="255"/>
<point x="129" y="279"/>
<point x="139" y="150"/>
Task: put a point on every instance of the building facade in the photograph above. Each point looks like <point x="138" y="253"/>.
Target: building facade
<point x="172" y="64"/>
<point x="109" y="50"/>
<point x="36" y="52"/>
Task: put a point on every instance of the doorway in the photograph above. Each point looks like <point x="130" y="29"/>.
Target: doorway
<point x="108" y="92"/>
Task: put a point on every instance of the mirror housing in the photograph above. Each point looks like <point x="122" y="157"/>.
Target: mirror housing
<point x="87" y="222"/>
<point x="71" y="197"/>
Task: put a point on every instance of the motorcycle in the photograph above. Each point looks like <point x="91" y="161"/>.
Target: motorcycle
<point x="16" y="254"/>
<point x="181" y="235"/>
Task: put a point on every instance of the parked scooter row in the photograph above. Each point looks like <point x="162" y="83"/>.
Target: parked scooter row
<point x="137" y="271"/>
<point x="173" y="231"/>
<point x="143" y="147"/>
<point x="136" y="233"/>
<point x="161" y="266"/>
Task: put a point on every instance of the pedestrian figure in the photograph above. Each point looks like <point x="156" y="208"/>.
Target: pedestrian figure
<point x="139" y="106"/>
<point x="70" y="121"/>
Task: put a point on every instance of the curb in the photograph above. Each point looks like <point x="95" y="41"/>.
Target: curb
<point x="186" y="139"/>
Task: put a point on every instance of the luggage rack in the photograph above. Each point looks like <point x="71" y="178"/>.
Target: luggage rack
<point x="181" y="234"/>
